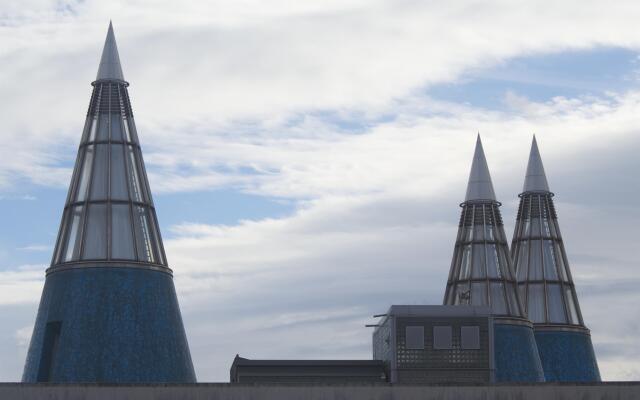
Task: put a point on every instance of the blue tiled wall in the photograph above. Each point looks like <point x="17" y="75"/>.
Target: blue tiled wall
<point x="118" y="325"/>
<point x="567" y="356"/>
<point x="516" y="355"/>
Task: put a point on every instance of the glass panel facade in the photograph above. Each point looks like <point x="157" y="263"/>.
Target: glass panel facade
<point x="535" y="304"/>
<point x="93" y="129"/>
<point x="143" y="234"/>
<point x="466" y="262"/>
<point x="493" y="265"/>
<point x="479" y="294"/>
<point x="498" y="304"/>
<point x="549" y="261"/>
<point x="573" y="311"/>
<point x="72" y="243"/>
<point x="116" y="127"/>
<point x="100" y="173"/>
<point x="95" y="243"/>
<point x="135" y="186"/>
<point x="118" y="176"/>
<point x="103" y="128"/>
<point x="478" y="268"/>
<point x="514" y="308"/>
<point x="555" y="304"/>
<point x="121" y="233"/>
<point x="85" y="174"/>
<point x="535" y="261"/>
<point x="523" y="258"/>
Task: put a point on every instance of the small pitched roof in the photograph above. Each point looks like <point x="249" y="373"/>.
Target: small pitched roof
<point x="110" y="62"/>
<point x="535" y="179"/>
<point x="480" y="186"/>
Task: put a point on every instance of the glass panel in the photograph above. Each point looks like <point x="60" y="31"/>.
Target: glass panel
<point x="466" y="262"/>
<point x="535" y="307"/>
<point x="555" y="304"/>
<point x="525" y="227"/>
<point x="513" y="300"/>
<point x="493" y="267"/>
<point x="83" y="185"/>
<point x="477" y="232"/>
<point x="573" y="312"/>
<point x="116" y="127"/>
<point x="478" y="294"/>
<point x="121" y="235"/>
<point x="127" y="134"/>
<point x="135" y="188"/>
<point x="132" y="130"/>
<point x="478" y="267"/>
<point x="535" y="265"/>
<point x="561" y="265"/>
<point x="498" y="304"/>
<point x="93" y="129"/>
<point x="72" y="250"/>
<point x="118" y="177"/>
<point x="468" y="233"/>
<point x="95" y="238"/>
<point x="546" y="232"/>
<point x="143" y="234"/>
<point x="488" y="232"/>
<point x="157" y="242"/>
<point x="504" y="270"/>
<point x="462" y="294"/>
<point x="549" y="261"/>
<point x="103" y="127"/>
<point x="535" y="227"/>
<point x="522" y="260"/>
<point x="100" y="170"/>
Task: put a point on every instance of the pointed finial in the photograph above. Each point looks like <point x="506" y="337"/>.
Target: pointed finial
<point x="535" y="179"/>
<point x="110" y="62"/>
<point x="480" y="186"/>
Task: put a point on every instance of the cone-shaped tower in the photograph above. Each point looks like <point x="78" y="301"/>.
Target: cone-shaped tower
<point x="545" y="282"/>
<point x="109" y="311"/>
<point x="481" y="274"/>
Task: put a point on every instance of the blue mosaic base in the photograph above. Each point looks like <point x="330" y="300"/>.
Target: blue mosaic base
<point x="118" y="325"/>
<point x="516" y="355"/>
<point x="567" y="356"/>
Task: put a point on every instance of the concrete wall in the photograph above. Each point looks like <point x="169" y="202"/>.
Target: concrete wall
<point x="220" y="391"/>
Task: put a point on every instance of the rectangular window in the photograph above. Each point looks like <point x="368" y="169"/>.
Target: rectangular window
<point x="477" y="267"/>
<point x="122" y="246"/>
<point x="118" y="176"/>
<point x="100" y="171"/>
<point x="470" y="337"/>
<point x="550" y="272"/>
<point x="523" y="260"/>
<point x="498" y="304"/>
<point x="479" y="294"/>
<point x="535" y="303"/>
<point x="442" y="337"/>
<point x="535" y="264"/>
<point x="414" y="337"/>
<point x="555" y="304"/>
<point x="116" y="127"/>
<point x="85" y="173"/>
<point x="72" y="244"/>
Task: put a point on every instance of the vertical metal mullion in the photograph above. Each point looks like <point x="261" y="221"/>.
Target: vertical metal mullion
<point x="109" y="203"/>
<point x="527" y="279"/>
<point x="543" y="262"/>
<point x="472" y="251"/>
<point x="125" y="147"/>
<point x="85" y="212"/>
<point x="484" y="251"/>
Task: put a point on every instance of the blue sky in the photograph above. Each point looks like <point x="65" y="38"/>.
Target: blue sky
<point x="309" y="157"/>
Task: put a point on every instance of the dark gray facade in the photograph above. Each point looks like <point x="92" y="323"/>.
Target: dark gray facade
<point x="307" y="371"/>
<point x="436" y="344"/>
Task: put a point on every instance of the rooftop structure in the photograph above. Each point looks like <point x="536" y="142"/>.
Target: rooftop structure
<point x="481" y="274"/>
<point x="545" y="282"/>
<point x="109" y="311"/>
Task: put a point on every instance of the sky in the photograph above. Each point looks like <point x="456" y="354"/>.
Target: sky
<point x="307" y="158"/>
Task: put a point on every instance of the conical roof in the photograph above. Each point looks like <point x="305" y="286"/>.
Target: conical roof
<point x="538" y="253"/>
<point x="110" y="62"/>
<point x="109" y="214"/>
<point x="535" y="179"/>
<point x="480" y="186"/>
<point x="481" y="270"/>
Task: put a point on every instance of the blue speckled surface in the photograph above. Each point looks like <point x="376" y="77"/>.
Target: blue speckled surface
<point x="516" y="354"/>
<point x="567" y="356"/>
<point x="118" y="325"/>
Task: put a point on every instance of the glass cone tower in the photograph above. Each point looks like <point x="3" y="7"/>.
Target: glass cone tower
<point x="109" y="311"/>
<point x="481" y="274"/>
<point x="545" y="282"/>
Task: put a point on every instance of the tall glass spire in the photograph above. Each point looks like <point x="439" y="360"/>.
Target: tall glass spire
<point x="545" y="282"/>
<point x="481" y="274"/>
<point x="481" y="271"/>
<point x="109" y="311"/>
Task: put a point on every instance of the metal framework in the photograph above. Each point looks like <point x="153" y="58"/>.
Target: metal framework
<point x="481" y="272"/>
<point x="109" y="196"/>
<point x="539" y="256"/>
